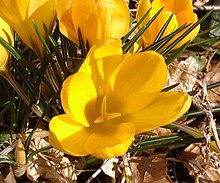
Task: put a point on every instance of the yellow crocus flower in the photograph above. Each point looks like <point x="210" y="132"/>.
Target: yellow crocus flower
<point x="182" y="13"/>
<point x="110" y="99"/>
<point x="7" y="34"/>
<point x="20" y="15"/>
<point x="95" y="19"/>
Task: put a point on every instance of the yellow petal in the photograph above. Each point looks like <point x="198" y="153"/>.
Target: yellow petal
<point x="174" y="6"/>
<point x="14" y="10"/>
<point x="20" y="15"/>
<point x="136" y="82"/>
<point x="103" y="48"/>
<point x="67" y="135"/>
<point x="100" y="62"/>
<point x="165" y="109"/>
<point x="103" y="19"/>
<point x="7" y="34"/>
<point x="159" y="23"/>
<point x="189" y="18"/>
<point x="143" y="7"/>
<point x="78" y="97"/>
<point x="108" y="140"/>
<point x="64" y="12"/>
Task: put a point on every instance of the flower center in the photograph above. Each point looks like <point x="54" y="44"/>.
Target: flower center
<point x="104" y="116"/>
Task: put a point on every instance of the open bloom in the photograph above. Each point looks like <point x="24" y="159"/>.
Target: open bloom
<point x="182" y="13"/>
<point x="110" y="99"/>
<point x="7" y="34"/>
<point x="95" y="19"/>
<point x="20" y="15"/>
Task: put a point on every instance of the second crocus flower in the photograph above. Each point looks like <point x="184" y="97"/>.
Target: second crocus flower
<point x="20" y="15"/>
<point x="182" y="14"/>
<point x="95" y="19"/>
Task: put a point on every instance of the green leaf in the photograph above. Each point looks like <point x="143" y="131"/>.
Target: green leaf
<point x="7" y="159"/>
<point x="127" y="46"/>
<point x="125" y="38"/>
<point x="176" y="53"/>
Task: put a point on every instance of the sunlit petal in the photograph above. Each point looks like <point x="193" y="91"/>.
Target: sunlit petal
<point x="166" y="108"/>
<point x="182" y="19"/>
<point x="108" y="140"/>
<point x="103" y="19"/>
<point x="103" y="48"/>
<point x="78" y="98"/>
<point x="64" y="12"/>
<point x="100" y="62"/>
<point x="20" y="15"/>
<point x="67" y="135"/>
<point x="7" y="34"/>
<point x="136" y="82"/>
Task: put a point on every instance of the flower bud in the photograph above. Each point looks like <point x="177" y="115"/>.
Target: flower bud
<point x="108" y="19"/>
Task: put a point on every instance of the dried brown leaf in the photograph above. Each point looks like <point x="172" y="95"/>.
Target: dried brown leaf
<point x="198" y="166"/>
<point x="150" y="169"/>
<point x="110" y="168"/>
<point x="184" y="73"/>
<point x="52" y="166"/>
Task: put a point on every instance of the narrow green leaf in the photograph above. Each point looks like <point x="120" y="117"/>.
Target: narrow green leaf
<point x="176" y="53"/>
<point x="162" y="30"/>
<point x="55" y="48"/>
<point x="162" y="42"/>
<point x="41" y="150"/>
<point x="45" y="111"/>
<point x="130" y="43"/>
<point x="11" y="50"/>
<point x="125" y="38"/>
<point x="41" y="38"/>
<point x="170" y="87"/>
<point x="7" y="159"/>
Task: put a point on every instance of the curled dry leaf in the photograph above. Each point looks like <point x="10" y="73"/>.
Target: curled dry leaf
<point x="152" y="169"/>
<point x="162" y="132"/>
<point x="51" y="166"/>
<point x="212" y="77"/>
<point x="197" y="165"/>
<point x="184" y="73"/>
<point x="110" y="170"/>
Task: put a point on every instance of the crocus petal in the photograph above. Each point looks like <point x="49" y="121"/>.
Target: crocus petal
<point x="106" y="140"/>
<point x="100" y="62"/>
<point x="67" y="135"/>
<point x="21" y="14"/>
<point x="103" y="48"/>
<point x="182" y="18"/>
<point x="136" y="82"/>
<point x="18" y="9"/>
<point x="64" y="12"/>
<point x="166" y="108"/>
<point x="78" y="96"/>
<point x="103" y="19"/>
<point x="159" y="23"/>
<point x="7" y="34"/>
<point x="143" y="7"/>
<point x="173" y="5"/>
